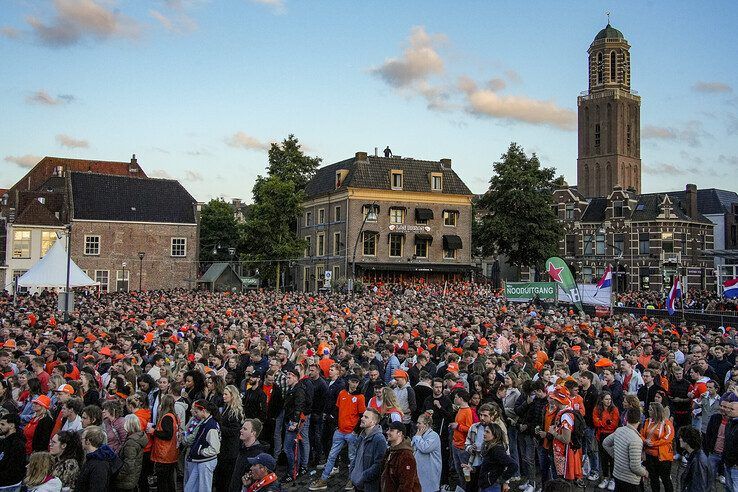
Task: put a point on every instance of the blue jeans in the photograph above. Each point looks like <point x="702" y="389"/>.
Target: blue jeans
<point x="199" y="475"/>
<point x="460" y="456"/>
<point x="591" y="450"/>
<point x="545" y="464"/>
<point x="337" y="445"/>
<point x="512" y="437"/>
<point x="528" y="457"/>
<point x="731" y="479"/>
<point x="278" y="428"/>
<point x="316" y="436"/>
<point x="302" y="453"/>
<point x="492" y="488"/>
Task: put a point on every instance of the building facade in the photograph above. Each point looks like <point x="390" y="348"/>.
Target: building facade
<point x="386" y="219"/>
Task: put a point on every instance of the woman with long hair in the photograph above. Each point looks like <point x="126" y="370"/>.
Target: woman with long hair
<point x="231" y="420"/>
<point x="658" y="439"/>
<point x="497" y="466"/>
<point x="214" y="386"/>
<point x="662" y="398"/>
<point x="113" y="424"/>
<point x="606" y="418"/>
<point x="164" y="452"/>
<point x="6" y="396"/>
<point x="38" y="430"/>
<point x="39" y="474"/>
<point x="92" y="415"/>
<point x="90" y="392"/>
<point x="390" y="409"/>
<point x="194" y="385"/>
<point x="66" y="448"/>
<point x="34" y="391"/>
<point x="131" y="453"/>
<point x="138" y="405"/>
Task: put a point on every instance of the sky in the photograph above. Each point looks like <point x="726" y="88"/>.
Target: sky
<point x="198" y="89"/>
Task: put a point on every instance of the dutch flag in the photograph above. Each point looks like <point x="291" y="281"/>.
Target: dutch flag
<point x="674" y="293"/>
<point x="730" y="288"/>
<point x="605" y="281"/>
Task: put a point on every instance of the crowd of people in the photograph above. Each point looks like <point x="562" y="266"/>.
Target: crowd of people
<point x="703" y="301"/>
<point x="408" y="388"/>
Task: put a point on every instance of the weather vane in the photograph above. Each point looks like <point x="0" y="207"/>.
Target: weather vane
<point x="608" y="17"/>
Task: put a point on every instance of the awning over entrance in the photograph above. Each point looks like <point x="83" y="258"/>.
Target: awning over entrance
<point x="419" y="238"/>
<point x="451" y="242"/>
<point x="414" y="267"/>
<point x="423" y="214"/>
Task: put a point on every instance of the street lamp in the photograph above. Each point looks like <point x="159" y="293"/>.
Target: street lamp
<point x="141" y="256"/>
<point x="124" y="275"/>
<point x="69" y="268"/>
<point x="371" y="214"/>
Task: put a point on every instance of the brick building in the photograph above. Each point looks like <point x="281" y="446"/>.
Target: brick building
<point x="422" y="227"/>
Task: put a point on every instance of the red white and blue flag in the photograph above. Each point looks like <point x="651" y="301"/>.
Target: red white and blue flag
<point x="730" y="288"/>
<point x="605" y="281"/>
<point x="674" y="293"/>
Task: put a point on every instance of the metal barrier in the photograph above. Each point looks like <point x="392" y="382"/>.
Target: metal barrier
<point x="711" y="320"/>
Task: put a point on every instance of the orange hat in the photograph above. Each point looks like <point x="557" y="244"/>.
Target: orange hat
<point x="79" y="340"/>
<point x="10" y="344"/>
<point x="576" y="348"/>
<point x="149" y="337"/>
<point x="415" y="333"/>
<point x="603" y="362"/>
<point x="43" y="400"/>
<point x="483" y="342"/>
<point x="399" y="373"/>
<point x="65" y="388"/>
<point x="120" y="357"/>
<point x="105" y="351"/>
<point x="453" y="367"/>
<point x="454" y="329"/>
<point x="561" y="395"/>
<point x="91" y="337"/>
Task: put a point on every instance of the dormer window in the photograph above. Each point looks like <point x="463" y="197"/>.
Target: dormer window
<point x="341" y="177"/>
<point x="617" y="208"/>
<point x="436" y="182"/>
<point x="569" y="211"/>
<point x="396" y="179"/>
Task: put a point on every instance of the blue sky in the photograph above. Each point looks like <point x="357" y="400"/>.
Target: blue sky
<point x="197" y="88"/>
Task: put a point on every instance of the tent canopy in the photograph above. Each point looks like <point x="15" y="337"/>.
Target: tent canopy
<point x="51" y="271"/>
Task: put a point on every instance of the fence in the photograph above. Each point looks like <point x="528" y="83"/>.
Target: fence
<point x="711" y="320"/>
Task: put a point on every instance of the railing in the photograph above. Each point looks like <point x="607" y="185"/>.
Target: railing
<point x="711" y="320"/>
<point x="591" y="95"/>
<point x="667" y="257"/>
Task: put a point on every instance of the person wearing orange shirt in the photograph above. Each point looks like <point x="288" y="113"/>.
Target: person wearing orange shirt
<point x="326" y="362"/>
<point x="461" y="425"/>
<point x="657" y="433"/>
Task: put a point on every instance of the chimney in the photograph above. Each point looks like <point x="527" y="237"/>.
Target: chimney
<point x="446" y="163"/>
<point x="133" y="168"/>
<point x="361" y="156"/>
<point x="691" y="198"/>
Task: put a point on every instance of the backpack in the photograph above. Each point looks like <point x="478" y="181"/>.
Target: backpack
<point x="577" y="433"/>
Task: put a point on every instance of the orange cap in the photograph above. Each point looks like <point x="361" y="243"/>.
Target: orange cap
<point x="105" y="351"/>
<point x="483" y="342"/>
<point x="399" y="373"/>
<point x="43" y="400"/>
<point x="10" y="344"/>
<point x="79" y="340"/>
<point x="65" y="388"/>
<point x="603" y="362"/>
<point x="453" y="367"/>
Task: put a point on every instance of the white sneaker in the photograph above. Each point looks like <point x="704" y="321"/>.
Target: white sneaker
<point x="523" y="485"/>
<point x="594" y="476"/>
<point x="603" y="484"/>
<point x="530" y="488"/>
<point x="334" y="471"/>
<point x="515" y="478"/>
<point x="721" y="479"/>
<point x="611" y="485"/>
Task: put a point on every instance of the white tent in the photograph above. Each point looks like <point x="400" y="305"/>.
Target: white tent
<point x="51" y="271"/>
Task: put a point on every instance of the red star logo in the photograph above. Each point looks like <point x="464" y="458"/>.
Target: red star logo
<point x="554" y="273"/>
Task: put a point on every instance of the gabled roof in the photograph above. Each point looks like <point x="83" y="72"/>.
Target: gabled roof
<point x="374" y="173"/>
<point x="215" y="271"/>
<point x="122" y="198"/>
<point x="648" y="207"/>
<point x="710" y="201"/>
<point x="35" y="213"/>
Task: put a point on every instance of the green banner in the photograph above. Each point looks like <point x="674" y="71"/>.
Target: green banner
<point x="526" y="291"/>
<point x="559" y="272"/>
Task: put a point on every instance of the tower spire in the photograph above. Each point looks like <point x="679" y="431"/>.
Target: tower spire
<point x="608" y="17"/>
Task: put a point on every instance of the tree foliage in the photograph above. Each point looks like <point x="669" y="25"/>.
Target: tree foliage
<point x="288" y="162"/>
<point x="517" y="218"/>
<point x="218" y="231"/>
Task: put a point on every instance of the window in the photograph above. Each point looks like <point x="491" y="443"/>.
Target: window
<point x="395" y="245"/>
<point x="321" y="216"/>
<point x="308" y="219"/>
<point x="336" y="273"/>
<point x="396" y="180"/>
<point x="617" y="208"/>
<point x="421" y="247"/>
<point x="587" y="275"/>
<point x="306" y="278"/>
<point x="667" y="242"/>
<point x="450" y="217"/>
<point x="627" y="135"/>
<point x="21" y="244"/>
<point x="102" y="276"/>
<point x="599" y="68"/>
<point x="600" y="244"/>
<point x="397" y="215"/>
<point x="436" y="182"/>
<point x="16" y="275"/>
<point x="337" y="213"/>
<point x="319" y="277"/>
<point x="644" y="244"/>
<point x="571" y="245"/>
<point x="308" y="244"/>
<point x="684" y="243"/>
<point x="365" y="212"/>
<point x="179" y="247"/>
<point x="92" y="245"/>
<point x="336" y="243"/>
<point x="589" y="245"/>
<point x="121" y="280"/>
<point x="597" y="135"/>
<point x="47" y="241"/>
<point x="370" y="243"/>
<point x="613" y="66"/>
<point x="320" y="245"/>
<point x="569" y="211"/>
<point x="619" y="244"/>
<point x="449" y="254"/>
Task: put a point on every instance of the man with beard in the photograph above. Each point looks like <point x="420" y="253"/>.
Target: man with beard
<point x="254" y="399"/>
<point x="440" y="407"/>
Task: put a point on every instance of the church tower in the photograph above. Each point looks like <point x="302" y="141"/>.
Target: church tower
<point x="609" y="120"/>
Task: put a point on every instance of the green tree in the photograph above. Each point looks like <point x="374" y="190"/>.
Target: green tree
<point x="288" y="162"/>
<point x="517" y="219"/>
<point x="218" y="231"/>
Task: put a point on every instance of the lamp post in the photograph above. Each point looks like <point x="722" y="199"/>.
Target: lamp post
<point x="141" y="256"/>
<point x="69" y="267"/>
<point x="371" y="214"/>
<point x="124" y="275"/>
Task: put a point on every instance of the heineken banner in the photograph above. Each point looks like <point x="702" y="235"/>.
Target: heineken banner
<point x="559" y="272"/>
<point x="527" y="291"/>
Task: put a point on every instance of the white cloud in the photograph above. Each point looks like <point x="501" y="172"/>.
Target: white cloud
<point x="9" y="32"/>
<point x="159" y="173"/>
<point x="690" y="133"/>
<point x="193" y="176"/>
<point x="418" y="61"/>
<point x="177" y="21"/>
<point x="76" y="20"/>
<point x="25" y="161"/>
<point x="72" y="143"/>
<point x="712" y="87"/>
<point x="244" y="141"/>
<point x="45" y="99"/>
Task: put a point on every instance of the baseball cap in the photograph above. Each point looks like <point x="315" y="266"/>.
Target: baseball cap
<point x="453" y="367"/>
<point x="65" y="388"/>
<point x="43" y="400"/>
<point x="398" y="426"/>
<point x="264" y="460"/>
